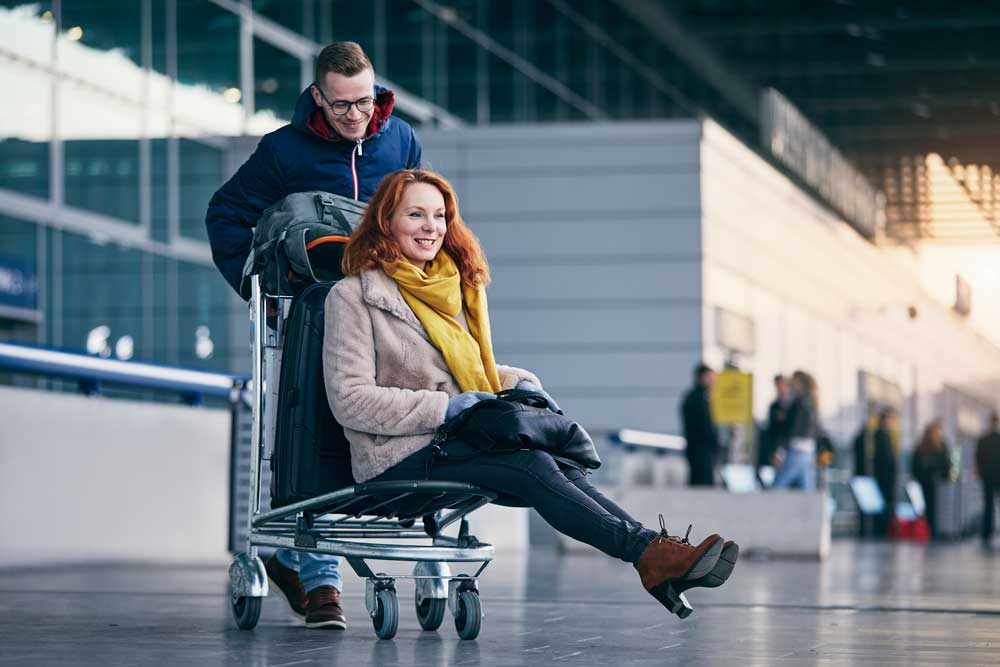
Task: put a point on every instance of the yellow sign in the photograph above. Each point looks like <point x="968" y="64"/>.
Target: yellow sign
<point x="732" y="398"/>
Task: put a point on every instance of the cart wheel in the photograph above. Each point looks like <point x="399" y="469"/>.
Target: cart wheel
<point x="246" y="612"/>
<point x="430" y="612"/>
<point x="469" y="618"/>
<point x="386" y="618"/>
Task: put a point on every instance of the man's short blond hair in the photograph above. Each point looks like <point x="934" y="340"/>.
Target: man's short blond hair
<point x="347" y="58"/>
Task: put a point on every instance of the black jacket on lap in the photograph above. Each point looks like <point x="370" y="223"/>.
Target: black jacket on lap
<point x="521" y="419"/>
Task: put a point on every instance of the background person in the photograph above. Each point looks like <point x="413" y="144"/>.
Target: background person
<point x="799" y="467"/>
<point x="988" y="470"/>
<point x="931" y="464"/>
<point x="700" y="432"/>
<point x="775" y="432"/>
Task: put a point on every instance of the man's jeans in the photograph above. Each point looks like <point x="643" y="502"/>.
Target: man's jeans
<point x="799" y="470"/>
<point x="314" y="570"/>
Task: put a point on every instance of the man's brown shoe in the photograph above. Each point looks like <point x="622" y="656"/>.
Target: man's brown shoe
<point x="323" y="609"/>
<point x="668" y="560"/>
<point x="287" y="581"/>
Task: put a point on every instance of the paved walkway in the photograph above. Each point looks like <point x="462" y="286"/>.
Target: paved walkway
<point x="869" y="604"/>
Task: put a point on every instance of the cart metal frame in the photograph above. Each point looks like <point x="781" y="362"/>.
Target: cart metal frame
<point x="353" y="522"/>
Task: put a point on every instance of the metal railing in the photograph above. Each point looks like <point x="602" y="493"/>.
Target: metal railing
<point x="91" y="372"/>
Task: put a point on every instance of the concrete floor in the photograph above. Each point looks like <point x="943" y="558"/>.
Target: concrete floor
<point x="869" y="604"/>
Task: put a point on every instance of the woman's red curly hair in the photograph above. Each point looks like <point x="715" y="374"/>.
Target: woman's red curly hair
<point x="372" y="244"/>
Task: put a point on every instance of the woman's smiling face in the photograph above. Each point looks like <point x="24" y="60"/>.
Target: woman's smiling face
<point x="418" y="223"/>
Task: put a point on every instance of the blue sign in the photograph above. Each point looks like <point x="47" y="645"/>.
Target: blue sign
<point x="18" y="284"/>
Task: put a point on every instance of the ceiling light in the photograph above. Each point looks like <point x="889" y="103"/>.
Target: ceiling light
<point x="125" y="348"/>
<point x="97" y="341"/>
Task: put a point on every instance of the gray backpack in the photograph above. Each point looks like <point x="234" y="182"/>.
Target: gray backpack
<point x="300" y="241"/>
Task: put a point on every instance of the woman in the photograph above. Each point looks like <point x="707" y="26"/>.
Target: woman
<point x="407" y="345"/>
<point x="799" y="467"/>
<point x="931" y="464"/>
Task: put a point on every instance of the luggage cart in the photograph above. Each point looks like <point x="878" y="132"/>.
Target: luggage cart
<point x="356" y="521"/>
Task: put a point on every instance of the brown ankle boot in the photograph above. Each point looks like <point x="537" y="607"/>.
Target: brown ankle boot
<point x="670" y="559"/>
<point x="719" y="574"/>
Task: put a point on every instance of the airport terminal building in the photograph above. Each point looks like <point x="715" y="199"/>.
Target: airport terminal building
<point x="629" y="238"/>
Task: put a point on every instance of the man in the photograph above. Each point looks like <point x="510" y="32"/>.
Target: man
<point x="988" y="469"/>
<point x="776" y="432"/>
<point x="699" y="430"/>
<point x="342" y="139"/>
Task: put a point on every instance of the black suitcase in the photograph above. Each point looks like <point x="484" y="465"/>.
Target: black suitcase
<point x="311" y="456"/>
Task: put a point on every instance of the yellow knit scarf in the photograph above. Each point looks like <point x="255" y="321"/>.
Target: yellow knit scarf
<point x="436" y="297"/>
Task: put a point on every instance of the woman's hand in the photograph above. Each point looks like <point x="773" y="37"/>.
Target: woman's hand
<point x="527" y="385"/>
<point x="465" y="400"/>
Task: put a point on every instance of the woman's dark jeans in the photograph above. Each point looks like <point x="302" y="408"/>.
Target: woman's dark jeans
<point x="561" y="494"/>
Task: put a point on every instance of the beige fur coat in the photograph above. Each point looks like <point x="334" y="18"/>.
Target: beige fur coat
<point x="387" y="384"/>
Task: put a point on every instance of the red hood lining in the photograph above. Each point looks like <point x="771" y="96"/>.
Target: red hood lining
<point x="384" y="103"/>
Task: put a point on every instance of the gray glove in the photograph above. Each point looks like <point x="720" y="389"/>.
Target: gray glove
<point x="465" y="400"/>
<point x="528" y="385"/>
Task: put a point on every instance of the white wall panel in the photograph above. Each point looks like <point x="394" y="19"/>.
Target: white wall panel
<point x="597" y="328"/>
<point x="111" y="480"/>
<point x="546" y="279"/>
<point x="592" y="370"/>
<point x="612" y="191"/>
<point x="593" y="236"/>
<point x="597" y="235"/>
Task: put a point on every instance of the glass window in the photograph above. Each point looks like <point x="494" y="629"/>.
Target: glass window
<point x="158" y="22"/>
<point x="26" y="112"/>
<point x="404" y="51"/>
<point x="501" y="76"/>
<point x="24" y="166"/>
<point x="356" y="21"/>
<point x="100" y="106"/>
<point x="159" y="88"/>
<point x="207" y="307"/>
<point x="277" y="84"/>
<point x="201" y="174"/>
<point x="18" y="264"/>
<point x="208" y="47"/>
<point x="158" y="191"/>
<point x="106" y="27"/>
<point x="102" y="301"/>
<point x="289" y="13"/>
<point x="462" y="81"/>
<point x="207" y="98"/>
<point x="102" y="175"/>
<point x="164" y="290"/>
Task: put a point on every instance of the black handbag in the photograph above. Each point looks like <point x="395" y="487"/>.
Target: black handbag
<point x="521" y="419"/>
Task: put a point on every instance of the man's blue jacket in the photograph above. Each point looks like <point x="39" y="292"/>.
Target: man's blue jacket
<point x="301" y="156"/>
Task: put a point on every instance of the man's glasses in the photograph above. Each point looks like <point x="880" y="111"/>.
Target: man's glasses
<point x="341" y="107"/>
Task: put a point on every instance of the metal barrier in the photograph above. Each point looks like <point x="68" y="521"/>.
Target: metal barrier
<point x="90" y="372"/>
<point x="191" y="385"/>
<point x="661" y="443"/>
